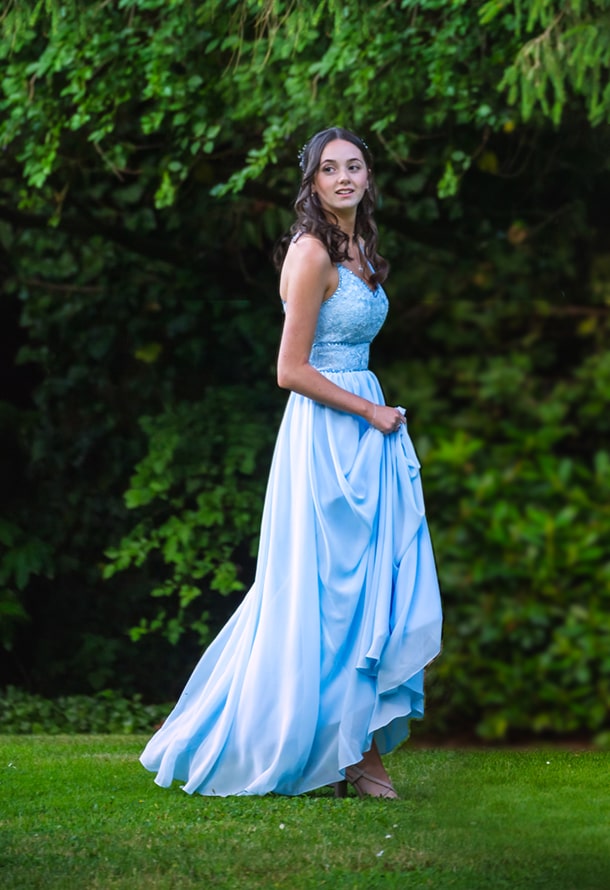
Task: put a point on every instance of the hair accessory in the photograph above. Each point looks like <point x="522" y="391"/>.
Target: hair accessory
<point x="301" y="156"/>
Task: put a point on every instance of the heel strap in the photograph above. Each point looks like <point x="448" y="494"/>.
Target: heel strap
<point x="355" y="775"/>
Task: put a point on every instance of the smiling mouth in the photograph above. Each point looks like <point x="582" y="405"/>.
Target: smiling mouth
<point x="345" y="192"/>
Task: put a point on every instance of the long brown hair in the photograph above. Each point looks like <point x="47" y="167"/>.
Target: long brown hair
<point x="312" y="219"/>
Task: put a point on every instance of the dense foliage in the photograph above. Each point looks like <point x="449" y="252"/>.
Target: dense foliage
<point x="106" y="712"/>
<point x="148" y="166"/>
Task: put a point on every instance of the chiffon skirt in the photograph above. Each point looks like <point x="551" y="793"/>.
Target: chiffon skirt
<point x="327" y="651"/>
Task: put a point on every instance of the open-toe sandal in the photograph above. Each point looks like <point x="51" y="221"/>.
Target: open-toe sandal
<point x="366" y="785"/>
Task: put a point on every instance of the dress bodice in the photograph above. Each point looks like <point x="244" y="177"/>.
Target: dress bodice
<point x="349" y="320"/>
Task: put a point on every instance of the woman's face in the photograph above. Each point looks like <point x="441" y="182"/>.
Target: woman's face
<point x="342" y="177"/>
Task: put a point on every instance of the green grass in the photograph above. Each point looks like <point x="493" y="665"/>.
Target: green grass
<point x="80" y="812"/>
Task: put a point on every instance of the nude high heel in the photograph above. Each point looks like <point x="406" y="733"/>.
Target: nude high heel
<point x="341" y="788"/>
<point x="367" y="785"/>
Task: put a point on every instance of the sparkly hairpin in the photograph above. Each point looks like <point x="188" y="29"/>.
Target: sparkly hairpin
<point x="301" y="156"/>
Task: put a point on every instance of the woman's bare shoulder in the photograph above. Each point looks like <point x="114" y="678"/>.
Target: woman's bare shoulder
<point x="307" y="265"/>
<point x="306" y="248"/>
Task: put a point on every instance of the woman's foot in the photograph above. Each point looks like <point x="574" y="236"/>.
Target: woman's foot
<point x="369" y="778"/>
<point x="366" y="785"/>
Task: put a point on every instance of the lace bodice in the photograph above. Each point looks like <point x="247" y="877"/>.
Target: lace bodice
<point x="348" y="322"/>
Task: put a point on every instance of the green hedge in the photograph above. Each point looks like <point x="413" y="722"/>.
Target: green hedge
<point x="107" y="712"/>
<point x="516" y="470"/>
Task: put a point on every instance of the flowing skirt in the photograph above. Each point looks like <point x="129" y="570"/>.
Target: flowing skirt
<point x="326" y="653"/>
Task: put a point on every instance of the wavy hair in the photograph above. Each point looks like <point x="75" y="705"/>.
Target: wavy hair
<point x="312" y="219"/>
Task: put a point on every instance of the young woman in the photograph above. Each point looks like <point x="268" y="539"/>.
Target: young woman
<point x="321" y="668"/>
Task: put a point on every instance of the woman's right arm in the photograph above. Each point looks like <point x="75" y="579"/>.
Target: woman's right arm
<point x="307" y="278"/>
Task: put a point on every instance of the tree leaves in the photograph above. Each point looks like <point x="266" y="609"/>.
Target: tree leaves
<point x="570" y="56"/>
<point x="284" y="71"/>
<point x="148" y="165"/>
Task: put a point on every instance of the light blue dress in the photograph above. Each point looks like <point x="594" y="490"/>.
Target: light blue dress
<point x="327" y="651"/>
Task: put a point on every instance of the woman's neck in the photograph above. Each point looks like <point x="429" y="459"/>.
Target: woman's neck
<point x="347" y="224"/>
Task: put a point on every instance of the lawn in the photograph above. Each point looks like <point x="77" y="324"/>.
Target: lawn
<point x="80" y="812"/>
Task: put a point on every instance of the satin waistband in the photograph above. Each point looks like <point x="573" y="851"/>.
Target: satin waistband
<point x="340" y="356"/>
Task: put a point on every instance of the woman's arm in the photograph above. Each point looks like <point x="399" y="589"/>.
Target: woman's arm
<point x="307" y="278"/>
